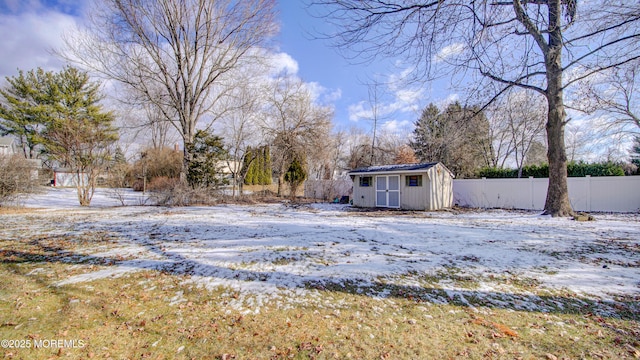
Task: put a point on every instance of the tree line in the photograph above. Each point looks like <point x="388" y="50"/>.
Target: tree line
<point x="199" y="69"/>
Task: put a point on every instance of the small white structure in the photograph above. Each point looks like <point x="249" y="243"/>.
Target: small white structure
<point x="7" y="146"/>
<point x="67" y="178"/>
<point x="426" y="186"/>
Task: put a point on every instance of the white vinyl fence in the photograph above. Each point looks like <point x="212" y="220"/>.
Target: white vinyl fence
<point x="607" y="193"/>
<point x="327" y="189"/>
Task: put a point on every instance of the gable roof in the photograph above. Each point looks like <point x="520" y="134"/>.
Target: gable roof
<point x="400" y="168"/>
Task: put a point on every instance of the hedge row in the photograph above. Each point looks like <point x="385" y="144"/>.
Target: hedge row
<point x="574" y="169"/>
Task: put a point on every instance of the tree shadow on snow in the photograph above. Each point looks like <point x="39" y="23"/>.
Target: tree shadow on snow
<point x="171" y="261"/>
<point x="176" y="264"/>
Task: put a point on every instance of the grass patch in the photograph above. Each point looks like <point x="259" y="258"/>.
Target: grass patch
<point x="164" y="315"/>
<point x="157" y="315"/>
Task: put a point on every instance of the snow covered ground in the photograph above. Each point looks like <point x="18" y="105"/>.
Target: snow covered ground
<point x="278" y="253"/>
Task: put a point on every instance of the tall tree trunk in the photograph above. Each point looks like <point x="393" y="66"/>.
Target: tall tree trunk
<point x="557" y="203"/>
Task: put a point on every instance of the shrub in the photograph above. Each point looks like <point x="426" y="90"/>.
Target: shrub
<point x="162" y="183"/>
<point x="574" y="169"/>
<point x="155" y="163"/>
<point x="18" y="177"/>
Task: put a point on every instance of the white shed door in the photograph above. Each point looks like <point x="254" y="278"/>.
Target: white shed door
<point x="388" y="191"/>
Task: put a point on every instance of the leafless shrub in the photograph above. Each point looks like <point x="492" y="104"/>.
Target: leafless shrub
<point x="18" y="177"/>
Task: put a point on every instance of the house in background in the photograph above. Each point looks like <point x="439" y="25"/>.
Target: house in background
<point x="7" y="146"/>
<point x="426" y="186"/>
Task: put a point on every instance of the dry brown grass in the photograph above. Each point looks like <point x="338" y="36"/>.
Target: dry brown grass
<point x="156" y="315"/>
<point x="159" y="315"/>
<point x="15" y="210"/>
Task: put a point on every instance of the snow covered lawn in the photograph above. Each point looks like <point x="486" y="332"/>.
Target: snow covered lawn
<point x="276" y="255"/>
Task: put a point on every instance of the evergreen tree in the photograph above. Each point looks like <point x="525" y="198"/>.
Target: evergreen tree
<point x="295" y="176"/>
<point x="635" y="152"/>
<point x="119" y="157"/>
<point x="208" y="154"/>
<point x="259" y="167"/>
<point x="23" y="108"/>
<point x="427" y="131"/>
<point x="458" y="137"/>
<point x="247" y="167"/>
<point x="267" y="171"/>
<point x="78" y="132"/>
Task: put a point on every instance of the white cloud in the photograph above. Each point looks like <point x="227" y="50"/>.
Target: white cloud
<point x="29" y="38"/>
<point x="450" y="99"/>
<point x="397" y="80"/>
<point x="358" y="111"/>
<point x="283" y="62"/>
<point x="448" y="51"/>
<point x="397" y="100"/>
<point x="397" y="126"/>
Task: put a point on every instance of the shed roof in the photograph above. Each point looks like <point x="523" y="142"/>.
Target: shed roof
<point x="400" y="168"/>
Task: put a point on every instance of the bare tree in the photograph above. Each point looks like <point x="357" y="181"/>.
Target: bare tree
<point x="519" y="43"/>
<point x="580" y="141"/>
<point x="294" y="124"/>
<point x="536" y="155"/>
<point x="240" y="128"/>
<point x="613" y="94"/>
<point x="175" y="54"/>
<point x="525" y="116"/>
<point x="501" y="147"/>
<point x="357" y="149"/>
<point x="375" y="91"/>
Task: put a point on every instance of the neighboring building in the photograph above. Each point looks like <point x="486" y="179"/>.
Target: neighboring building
<point x="67" y="178"/>
<point x="7" y="146"/>
<point x="408" y="186"/>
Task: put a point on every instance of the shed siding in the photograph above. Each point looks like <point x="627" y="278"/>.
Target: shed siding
<point x="363" y="196"/>
<point x="441" y="183"/>
<point x="414" y="197"/>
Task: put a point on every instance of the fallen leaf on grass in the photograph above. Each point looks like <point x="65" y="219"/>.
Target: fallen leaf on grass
<point x="503" y="329"/>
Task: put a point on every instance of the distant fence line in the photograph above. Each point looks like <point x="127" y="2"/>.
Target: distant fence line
<point x="605" y="193"/>
<point x="328" y="189"/>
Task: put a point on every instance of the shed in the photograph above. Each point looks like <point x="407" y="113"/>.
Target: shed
<point x="427" y="186"/>
<point x="7" y="146"/>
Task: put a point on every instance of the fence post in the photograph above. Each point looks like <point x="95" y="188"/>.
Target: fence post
<point x="531" y="193"/>
<point x="588" y="192"/>
<point x="485" y="199"/>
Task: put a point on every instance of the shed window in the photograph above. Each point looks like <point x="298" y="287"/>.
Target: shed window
<point x="366" y="181"/>
<point x="414" y="180"/>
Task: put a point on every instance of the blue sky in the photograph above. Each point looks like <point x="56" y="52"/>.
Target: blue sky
<point x="33" y="27"/>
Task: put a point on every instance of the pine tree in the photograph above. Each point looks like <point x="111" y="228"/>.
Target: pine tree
<point x="208" y="153"/>
<point x="635" y="152"/>
<point x="457" y="137"/>
<point x="119" y="157"/>
<point x="23" y="111"/>
<point x="295" y="176"/>
<point x="425" y="133"/>
<point x="78" y="132"/>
